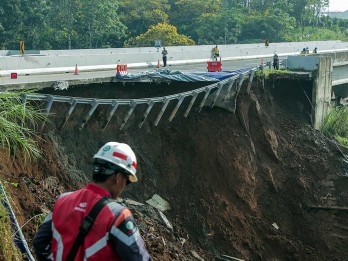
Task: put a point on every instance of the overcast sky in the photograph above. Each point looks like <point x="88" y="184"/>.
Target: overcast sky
<point x="338" y="5"/>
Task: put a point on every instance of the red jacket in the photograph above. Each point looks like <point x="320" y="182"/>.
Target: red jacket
<point x="113" y="236"/>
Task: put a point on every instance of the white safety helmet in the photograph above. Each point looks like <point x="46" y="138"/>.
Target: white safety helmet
<point x="121" y="155"/>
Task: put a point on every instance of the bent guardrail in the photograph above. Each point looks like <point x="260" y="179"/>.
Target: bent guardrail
<point x="225" y="85"/>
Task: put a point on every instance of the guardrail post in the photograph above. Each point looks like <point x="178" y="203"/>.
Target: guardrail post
<point x="24" y="102"/>
<point x="150" y="105"/>
<point x="230" y="85"/>
<point x="194" y="97"/>
<point x="251" y="78"/>
<point x="241" y="80"/>
<point x="73" y="103"/>
<point x="207" y="92"/>
<point x="95" y="105"/>
<point x="133" y="105"/>
<point x="164" y="107"/>
<point x="181" y="99"/>
<point x="48" y="108"/>
<point x="220" y="86"/>
<point x="114" y="108"/>
<point x="240" y="83"/>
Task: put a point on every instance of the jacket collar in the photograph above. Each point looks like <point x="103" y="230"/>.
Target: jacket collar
<point x="97" y="189"/>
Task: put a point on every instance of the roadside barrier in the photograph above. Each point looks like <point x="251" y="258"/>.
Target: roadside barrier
<point x="227" y="84"/>
<point x="121" y="69"/>
<point x="214" y="66"/>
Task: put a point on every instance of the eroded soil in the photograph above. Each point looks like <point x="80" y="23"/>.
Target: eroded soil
<point x="230" y="179"/>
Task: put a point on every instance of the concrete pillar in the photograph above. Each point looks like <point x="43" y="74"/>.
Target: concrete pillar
<point x="322" y="88"/>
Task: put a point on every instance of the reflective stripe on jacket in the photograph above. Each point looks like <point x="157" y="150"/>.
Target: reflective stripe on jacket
<point x="113" y="236"/>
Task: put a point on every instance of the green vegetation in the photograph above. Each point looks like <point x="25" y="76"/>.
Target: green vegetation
<point x="38" y="220"/>
<point x="317" y="34"/>
<point x="167" y="33"/>
<point x="61" y="24"/>
<point x="17" y="124"/>
<point x="268" y="72"/>
<point x="336" y="125"/>
<point x="8" y="250"/>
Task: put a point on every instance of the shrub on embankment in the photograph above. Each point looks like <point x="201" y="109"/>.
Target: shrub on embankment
<point x="18" y="122"/>
<point x="336" y="125"/>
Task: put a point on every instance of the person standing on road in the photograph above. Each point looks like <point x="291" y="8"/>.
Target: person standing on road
<point x="275" y="61"/>
<point x="216" y="53"/>
<point x="113" y="234"/>
<point x="164" y="56"/>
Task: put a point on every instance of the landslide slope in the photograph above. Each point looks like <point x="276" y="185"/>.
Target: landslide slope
<point x="228" y="177"/>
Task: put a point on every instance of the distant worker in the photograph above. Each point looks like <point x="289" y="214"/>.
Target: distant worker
<point x="164" y="56"/>
<point x="275" y="61"/>
<point x="266" y="42"/>
<point x="307" y="50"/>
<point x="69" y="231"/>
<point x="303" y="52"/>
<point x="315" y="51"/>
<point x="216" y="53"/>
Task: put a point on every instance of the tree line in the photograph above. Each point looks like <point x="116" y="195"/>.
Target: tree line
<point x="64" y="24"/>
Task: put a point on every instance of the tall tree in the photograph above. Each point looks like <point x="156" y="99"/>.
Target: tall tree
<point x="257" y="27"/>
<point x="223" y="28"/>
<point x="99" y="23"/>
<point x="167" y="33"/>
<point x="140" y="15"/>
<point x="10" y="24"/>
<point x="86" y="24"/>
<point x="184" y="12"/>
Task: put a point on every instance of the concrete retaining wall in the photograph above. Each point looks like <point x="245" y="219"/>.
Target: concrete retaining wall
<point x="303" y="63"/>
<point x="339" y="58"/>
<point x="322" y="91"/>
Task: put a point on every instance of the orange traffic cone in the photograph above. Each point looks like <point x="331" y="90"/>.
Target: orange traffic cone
<point x="158" y="64"/>
<point x="76" y="70"/>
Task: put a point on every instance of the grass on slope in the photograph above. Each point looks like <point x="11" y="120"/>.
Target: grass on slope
<point x="8" y="250"/>
<point x="336" y="125"/>
<point x="18" y="122"/>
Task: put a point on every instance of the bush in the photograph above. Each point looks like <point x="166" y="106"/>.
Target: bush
<point x="336" y="125"/>
<point x="18" y="122"/>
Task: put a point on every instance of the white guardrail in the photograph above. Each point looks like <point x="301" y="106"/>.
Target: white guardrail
<point x="234" y="82"/>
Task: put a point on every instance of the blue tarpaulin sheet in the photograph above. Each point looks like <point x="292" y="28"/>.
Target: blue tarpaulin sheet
<point x="161" y="74"/>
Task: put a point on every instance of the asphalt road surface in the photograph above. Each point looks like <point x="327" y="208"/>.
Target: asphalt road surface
<point x="202" y="67"/>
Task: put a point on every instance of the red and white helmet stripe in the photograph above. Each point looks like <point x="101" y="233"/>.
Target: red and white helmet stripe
<point x="121" y="155"/>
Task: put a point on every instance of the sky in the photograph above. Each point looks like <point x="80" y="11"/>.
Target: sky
<point x="338" y="5"/>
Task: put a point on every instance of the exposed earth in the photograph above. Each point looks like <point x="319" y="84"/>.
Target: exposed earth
<point x="247" y="185"/>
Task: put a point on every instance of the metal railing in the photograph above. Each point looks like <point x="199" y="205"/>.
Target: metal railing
<point x="150" y="102"/>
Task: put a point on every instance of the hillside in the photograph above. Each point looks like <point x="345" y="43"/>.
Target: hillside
<point x="243" y="184"/>
<point x="341" y="15"/>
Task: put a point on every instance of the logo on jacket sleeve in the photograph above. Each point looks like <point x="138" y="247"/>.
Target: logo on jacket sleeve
<point x="82" y="207"/>
<point x="131" y="229"/>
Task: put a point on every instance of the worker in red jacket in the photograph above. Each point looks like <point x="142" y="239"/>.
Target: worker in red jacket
<point x="87" y="224"/>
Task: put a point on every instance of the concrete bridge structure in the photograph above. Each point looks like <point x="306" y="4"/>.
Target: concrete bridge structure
<point x="330" y="80"/>
<point x="62" y="61"/>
